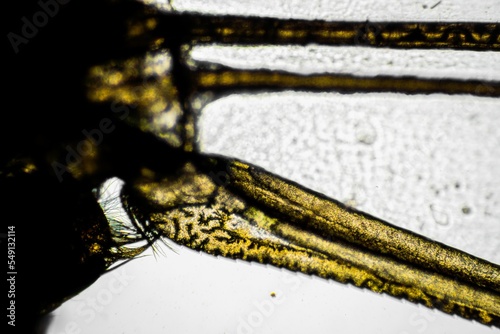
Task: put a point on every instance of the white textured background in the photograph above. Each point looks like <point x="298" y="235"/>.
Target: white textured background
<point x="358" y="61"/>
<point x="346" y="10"/>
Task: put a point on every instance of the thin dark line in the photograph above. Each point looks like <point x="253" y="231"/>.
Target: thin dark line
<point x="437" y="4"/>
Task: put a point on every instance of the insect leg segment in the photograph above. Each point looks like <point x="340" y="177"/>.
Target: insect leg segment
<point x="278" y="223"/>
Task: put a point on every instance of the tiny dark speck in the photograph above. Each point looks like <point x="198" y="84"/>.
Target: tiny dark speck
<point x="466" y="210"/>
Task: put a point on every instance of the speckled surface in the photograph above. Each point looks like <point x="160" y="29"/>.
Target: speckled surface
<point x="357" y="61"/>
<point x="344" y="10"/>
